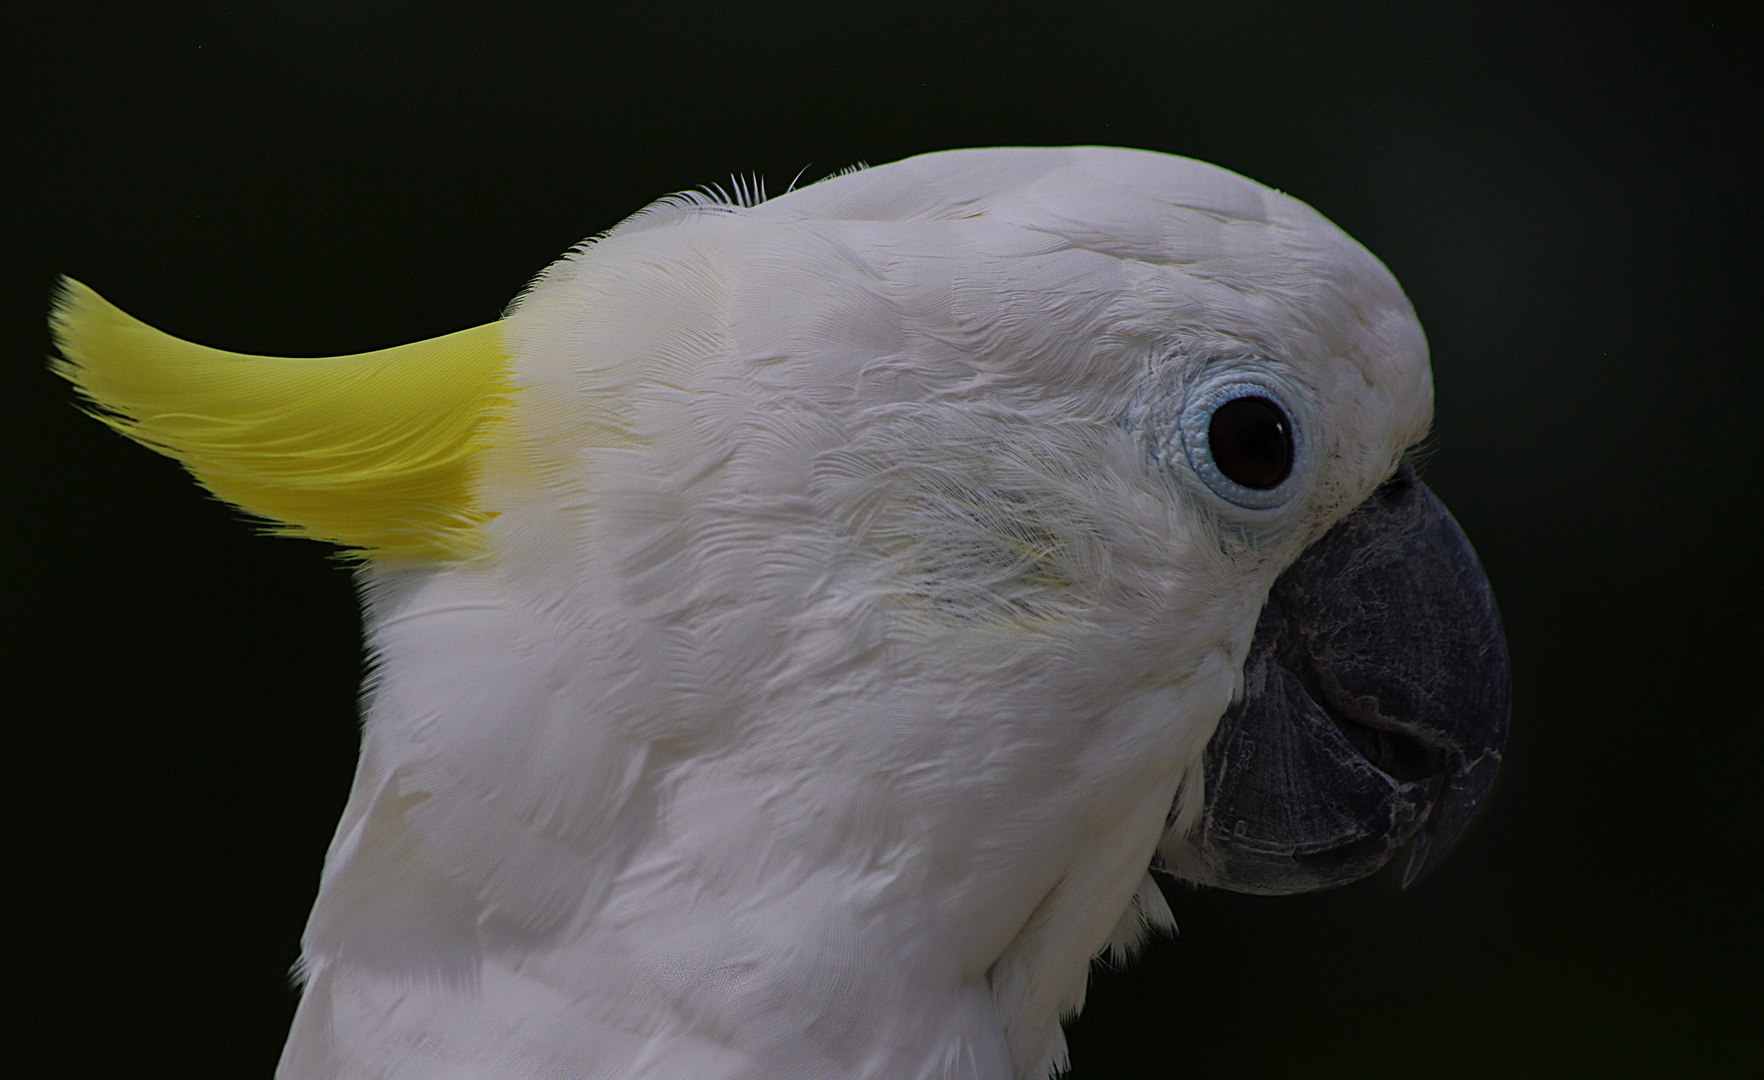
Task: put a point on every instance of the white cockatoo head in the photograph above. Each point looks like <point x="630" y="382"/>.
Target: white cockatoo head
<point x="800" y="626"/>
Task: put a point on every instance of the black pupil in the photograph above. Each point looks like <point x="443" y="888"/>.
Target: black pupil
<point x="1251" y="442"/>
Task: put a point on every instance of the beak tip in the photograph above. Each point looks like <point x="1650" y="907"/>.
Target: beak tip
<point x="1452" y="814"/>
<point x="1419" y="860"/>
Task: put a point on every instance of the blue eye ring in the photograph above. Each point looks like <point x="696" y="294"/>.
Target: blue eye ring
<point x="1196" y="422"/>
<point x="1172" y="416"/>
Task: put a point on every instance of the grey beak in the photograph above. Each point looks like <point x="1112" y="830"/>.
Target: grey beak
<point x="1374" y="710"/>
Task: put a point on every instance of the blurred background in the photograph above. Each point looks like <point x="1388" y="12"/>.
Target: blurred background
<point x="1570" y="197"/>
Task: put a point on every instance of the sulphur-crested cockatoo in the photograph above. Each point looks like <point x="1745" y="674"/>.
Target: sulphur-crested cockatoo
<point x="799" y="627"/>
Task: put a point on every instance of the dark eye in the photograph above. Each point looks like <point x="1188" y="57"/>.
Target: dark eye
<point x="1251" y="442"/>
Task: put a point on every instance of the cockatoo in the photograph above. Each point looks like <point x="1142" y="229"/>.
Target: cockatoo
<point x="797" y="628"/>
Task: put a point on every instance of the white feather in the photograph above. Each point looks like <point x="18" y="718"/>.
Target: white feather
<point x="839" y="655"/>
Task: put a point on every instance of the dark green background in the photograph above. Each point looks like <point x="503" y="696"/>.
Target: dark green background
<point x="1570" y="196"/>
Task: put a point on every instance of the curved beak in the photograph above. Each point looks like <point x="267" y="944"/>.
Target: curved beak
<point x="1375" y="705"/>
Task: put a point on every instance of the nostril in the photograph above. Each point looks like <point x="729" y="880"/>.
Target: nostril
<point x="1398" y="484"/>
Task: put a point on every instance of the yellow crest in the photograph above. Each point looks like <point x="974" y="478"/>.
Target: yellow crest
<point x="373" y="451"/>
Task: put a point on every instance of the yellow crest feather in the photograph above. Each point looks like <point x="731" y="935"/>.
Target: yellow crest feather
<point x="372" y="451"/>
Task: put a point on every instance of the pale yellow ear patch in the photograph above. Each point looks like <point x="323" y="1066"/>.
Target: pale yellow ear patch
<point x="373" y="451"/>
